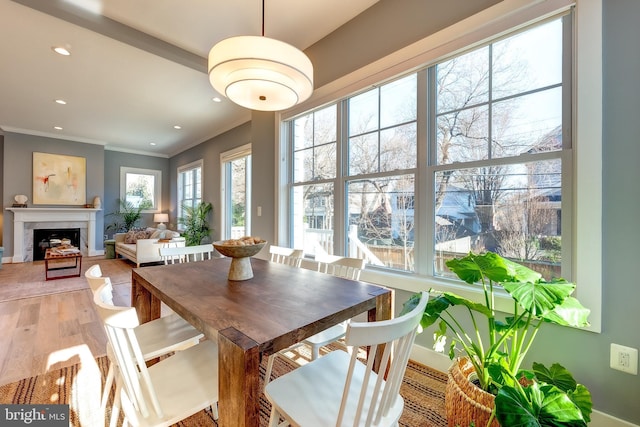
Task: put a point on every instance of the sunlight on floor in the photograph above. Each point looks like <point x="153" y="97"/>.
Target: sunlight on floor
<point x="86" y="389"/>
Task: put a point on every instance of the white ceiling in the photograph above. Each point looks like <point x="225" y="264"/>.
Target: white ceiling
<point x="138" y="67"/>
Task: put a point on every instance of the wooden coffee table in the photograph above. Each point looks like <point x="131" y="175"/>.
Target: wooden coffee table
<point x="54" y="261"/>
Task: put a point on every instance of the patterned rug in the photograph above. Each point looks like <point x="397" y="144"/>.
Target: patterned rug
<point x="26" y="279"/>
<point x="80" y="387"/>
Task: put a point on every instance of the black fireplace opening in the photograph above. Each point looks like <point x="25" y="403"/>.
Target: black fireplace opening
<point x="45" y="238"/>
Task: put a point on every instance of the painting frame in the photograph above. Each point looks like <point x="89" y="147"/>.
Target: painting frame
<point x="59" y="179"/>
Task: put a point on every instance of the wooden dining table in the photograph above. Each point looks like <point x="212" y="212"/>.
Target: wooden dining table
<point x="251" y="319"/>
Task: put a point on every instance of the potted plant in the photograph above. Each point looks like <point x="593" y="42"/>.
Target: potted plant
<point x="127" y="216"/>
<point x="538" y="397"/>
<point x="196" y="222"/>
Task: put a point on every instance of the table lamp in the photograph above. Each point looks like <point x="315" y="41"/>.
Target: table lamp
<point x="161" y="218"/>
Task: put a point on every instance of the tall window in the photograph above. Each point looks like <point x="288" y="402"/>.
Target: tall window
<point x="236" y="192"/>
<point x="471" y="153"/>
<point x="189" y="186"/>
<point x="497" y="149"/>
<point x="314" y="173"/>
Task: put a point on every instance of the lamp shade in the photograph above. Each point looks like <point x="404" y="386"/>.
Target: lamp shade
<point x="161" y="217"/>
<point x="260" y="73"/>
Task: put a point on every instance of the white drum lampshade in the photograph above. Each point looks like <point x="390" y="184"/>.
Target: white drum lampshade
<point x="260" y="73"/>
<point x="161" y="218"/>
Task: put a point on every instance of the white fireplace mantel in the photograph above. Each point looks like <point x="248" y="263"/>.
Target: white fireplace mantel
<point x="22" y="215"/>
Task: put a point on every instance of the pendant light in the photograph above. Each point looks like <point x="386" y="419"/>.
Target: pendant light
<point x="260" y="73"/>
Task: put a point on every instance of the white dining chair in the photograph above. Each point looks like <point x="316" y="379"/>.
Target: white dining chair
<point x="176" y="255"/>
<point x="287" y="256"/>
<point x="156" y="338"/>
<point x="348" y="268"/>
<point x="94" y="277"/>
<point x="172" y="389"/>
<point x="345" y="267"/>
<point x="340" y="390"/>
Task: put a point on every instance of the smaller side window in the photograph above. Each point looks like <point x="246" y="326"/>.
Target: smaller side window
<point x="141" y="188"/>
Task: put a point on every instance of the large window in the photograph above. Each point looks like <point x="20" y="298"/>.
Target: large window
<point x="141" y="188"/>
<point x="471" y="153"/>
<point x="189" y="186"/>
<point x="501" y="123"/>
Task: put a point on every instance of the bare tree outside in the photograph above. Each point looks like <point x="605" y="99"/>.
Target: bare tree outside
<point x="496" y="137"/>
<point x="491" y="105"/>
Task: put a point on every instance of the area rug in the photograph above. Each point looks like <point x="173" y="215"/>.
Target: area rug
<point x="26" y="279"/>
<point x="80" y="386"/>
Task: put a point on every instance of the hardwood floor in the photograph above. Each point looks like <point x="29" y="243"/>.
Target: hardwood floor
<point x="50" y="332"/>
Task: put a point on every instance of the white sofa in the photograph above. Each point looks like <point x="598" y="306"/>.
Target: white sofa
<point x="144" y="246"/>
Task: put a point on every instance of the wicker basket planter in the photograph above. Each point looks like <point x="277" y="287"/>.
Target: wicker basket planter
<point x="464" y="401"/>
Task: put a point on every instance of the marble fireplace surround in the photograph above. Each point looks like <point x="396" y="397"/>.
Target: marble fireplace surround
<point x="25" y="220"/>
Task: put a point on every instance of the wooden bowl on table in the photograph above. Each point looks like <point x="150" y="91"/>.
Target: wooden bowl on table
<point x="240" y="250"/>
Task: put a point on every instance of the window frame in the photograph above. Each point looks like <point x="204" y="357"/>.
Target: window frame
<point x="198" y="164"/>
<point x="226" y="157"/>
<point x="157" y="185"/>
<point x="586" y="220"/>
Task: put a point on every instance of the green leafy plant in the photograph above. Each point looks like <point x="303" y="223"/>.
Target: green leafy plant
<point x="538" y="397"/>
<point x="196" y="223"/>
<point x="127" y="216"/>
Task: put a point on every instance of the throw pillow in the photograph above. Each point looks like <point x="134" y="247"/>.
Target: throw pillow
<point x="130" y="237"/>
<point x="141" y="235"/>
<point x="156" y="234"/>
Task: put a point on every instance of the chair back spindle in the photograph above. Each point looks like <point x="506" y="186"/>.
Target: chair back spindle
<point x="287" y="256"/>
<point x="177" y="255"/>
<point x="345" y="267"/>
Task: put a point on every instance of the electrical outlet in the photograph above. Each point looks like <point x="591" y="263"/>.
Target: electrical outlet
<point x="624" y="359"/>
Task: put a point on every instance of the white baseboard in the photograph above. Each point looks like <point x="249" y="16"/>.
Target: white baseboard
<point x="431" y="358"/>
<point x="600" y="419"/>
<point x="441" y="362"/>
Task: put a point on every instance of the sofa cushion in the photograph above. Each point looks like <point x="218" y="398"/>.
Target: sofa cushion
<point x="142" y="234"/>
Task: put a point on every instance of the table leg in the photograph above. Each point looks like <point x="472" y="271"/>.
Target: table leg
<point x="383" y="311"/>
<point x="147" y="306"/>
<point x="239" y="380"/>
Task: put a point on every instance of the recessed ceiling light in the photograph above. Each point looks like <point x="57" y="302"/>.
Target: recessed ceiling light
<point x="216" y="99"/>
<point x="152" y="143"/>
<point x="177" y="127"/>
<point x="61" y="102"/>
<point x="61" y="50"/>
<point x="57" y="128"/>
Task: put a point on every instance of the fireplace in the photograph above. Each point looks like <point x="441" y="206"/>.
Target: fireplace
<point x="44" y="238"/>
<point x="25" y="220"/>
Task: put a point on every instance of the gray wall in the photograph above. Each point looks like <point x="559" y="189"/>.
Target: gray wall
<point x="382" y="29"/>
<point x="113" y="160"/>
<point x="263" y="175"/>
<point x="17" y="174"/>
<point x="209" y="152"/>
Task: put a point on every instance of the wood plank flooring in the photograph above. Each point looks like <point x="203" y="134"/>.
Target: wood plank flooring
<point x="51" y="331"/>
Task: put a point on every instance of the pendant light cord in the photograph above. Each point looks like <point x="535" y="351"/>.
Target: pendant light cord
<point x="262" y="18"/>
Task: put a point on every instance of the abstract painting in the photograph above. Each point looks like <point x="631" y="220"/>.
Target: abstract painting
<point x="59" y="180"/>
